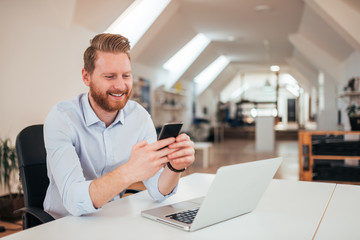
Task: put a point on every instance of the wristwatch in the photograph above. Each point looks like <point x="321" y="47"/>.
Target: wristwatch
<point x="173" y="169"/>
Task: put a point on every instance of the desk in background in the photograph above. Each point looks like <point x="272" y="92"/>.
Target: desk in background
<point x="342" y="217"/>
<point x="287" y="210"/>
<point x="204" y="146"/>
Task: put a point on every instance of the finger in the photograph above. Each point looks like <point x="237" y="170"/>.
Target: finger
<point x="162" y="161"/>
<point x="181" y="153"/>
<point x="140" y="144"/>
<point x="184" y="160"/>
<point x="182" y="144"/>
<point x="161" y="143"/>
<point x="164" y="152"/>
<point x="182" y="137"/>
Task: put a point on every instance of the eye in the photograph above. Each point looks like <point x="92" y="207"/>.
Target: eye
<point x="109" y="76"/>
<point x="127" y="75"/>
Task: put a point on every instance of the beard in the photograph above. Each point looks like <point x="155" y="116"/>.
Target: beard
<point x="103" y="99"/>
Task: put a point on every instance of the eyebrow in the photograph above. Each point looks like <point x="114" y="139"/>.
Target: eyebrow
<point x="113" y="73"/>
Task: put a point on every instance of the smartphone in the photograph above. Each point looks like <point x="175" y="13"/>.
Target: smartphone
<point x="170" y="130"/>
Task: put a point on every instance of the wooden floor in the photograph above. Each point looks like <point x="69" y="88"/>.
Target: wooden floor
<point x="10" y="228"/>
<point x="237" y="151"/>
<point x="234" y="151"/>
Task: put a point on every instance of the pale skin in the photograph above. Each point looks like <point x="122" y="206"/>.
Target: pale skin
<point x="113" y="73"/>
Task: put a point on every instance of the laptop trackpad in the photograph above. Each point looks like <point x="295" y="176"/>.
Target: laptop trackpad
<point x="189" y="204"/>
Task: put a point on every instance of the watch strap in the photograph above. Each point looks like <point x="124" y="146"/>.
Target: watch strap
<point x="173" y="169"/>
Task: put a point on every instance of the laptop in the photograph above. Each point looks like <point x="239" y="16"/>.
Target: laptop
<point x="235" y="190"/>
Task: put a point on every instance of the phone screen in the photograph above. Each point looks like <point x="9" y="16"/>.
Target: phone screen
<point x="170" y="130"/>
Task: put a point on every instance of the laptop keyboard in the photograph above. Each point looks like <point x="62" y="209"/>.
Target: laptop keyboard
<point x="185" y="216"/>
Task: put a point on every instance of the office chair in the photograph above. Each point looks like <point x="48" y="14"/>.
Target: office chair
<point x="30" y="149"/>
<point x="31" y="155"/>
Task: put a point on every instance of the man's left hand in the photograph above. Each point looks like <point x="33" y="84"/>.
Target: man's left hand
<point x="185" y="154"/>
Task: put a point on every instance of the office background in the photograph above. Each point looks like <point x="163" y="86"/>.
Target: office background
<point x="42" y="42"/>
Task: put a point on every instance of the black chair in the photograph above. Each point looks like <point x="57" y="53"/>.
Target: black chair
<point x="31" y="154"/>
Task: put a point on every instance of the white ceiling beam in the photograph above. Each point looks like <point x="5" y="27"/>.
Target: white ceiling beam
<point x="309" y="76"/>
<point x="341" y="17"/>
<point x="224" y="78"/>
<point x="317" y="56"/>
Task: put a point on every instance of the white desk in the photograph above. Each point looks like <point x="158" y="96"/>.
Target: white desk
<point x="342" y="217"/>
<point x="288" y="210"/>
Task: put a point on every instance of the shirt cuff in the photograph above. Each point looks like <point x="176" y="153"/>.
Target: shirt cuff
<point x="83" y="203"/>
<point x="152" y="185"/>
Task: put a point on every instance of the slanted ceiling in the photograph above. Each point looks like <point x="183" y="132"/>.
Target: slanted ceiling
<point x="278" y="32"/>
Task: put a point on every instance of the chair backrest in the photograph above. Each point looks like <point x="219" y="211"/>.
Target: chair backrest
<point x="31" y="154"/>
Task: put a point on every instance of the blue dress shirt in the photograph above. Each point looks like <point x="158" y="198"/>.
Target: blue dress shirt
<point x="80" y="148"/>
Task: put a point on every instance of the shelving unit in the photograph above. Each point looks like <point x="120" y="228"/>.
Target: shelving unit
<point x="324" y="153"/>
<point x="170" y="106"/>
<point x="141" y="92"/>
<point x="351" y="97"/>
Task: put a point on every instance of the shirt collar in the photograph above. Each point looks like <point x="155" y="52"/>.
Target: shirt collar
<point x="120" y="118"/>
<point x="91" y="117"/>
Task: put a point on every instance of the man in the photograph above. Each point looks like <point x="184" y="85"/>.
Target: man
<point x="101" y="142"/>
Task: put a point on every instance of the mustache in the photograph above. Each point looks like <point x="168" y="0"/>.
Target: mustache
<point x="126" y="92"/>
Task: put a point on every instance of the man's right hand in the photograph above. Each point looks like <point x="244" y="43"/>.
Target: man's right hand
<point x="147" y="159"/>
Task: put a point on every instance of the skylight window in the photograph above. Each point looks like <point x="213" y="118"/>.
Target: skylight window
<point x="137" y="19"/>
<point x="181" y="61"/>
<point x="209" y="74"/>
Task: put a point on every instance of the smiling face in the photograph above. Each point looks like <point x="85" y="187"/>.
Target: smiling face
<point x="110" y="83"/>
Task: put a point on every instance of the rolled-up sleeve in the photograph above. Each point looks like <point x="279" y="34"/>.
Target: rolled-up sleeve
<point x="152" y="185"/>
<point x="64" y="169"/>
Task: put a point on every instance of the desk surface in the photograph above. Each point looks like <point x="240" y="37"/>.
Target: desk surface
<point x="342" y="217"/>
<point x="287" y="210"/>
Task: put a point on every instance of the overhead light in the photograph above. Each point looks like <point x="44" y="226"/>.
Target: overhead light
<point x="253" y="112"/>
<point x="275" y="68"/>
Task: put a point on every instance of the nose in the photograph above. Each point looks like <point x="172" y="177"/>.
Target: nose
<point x="120" y="84"/>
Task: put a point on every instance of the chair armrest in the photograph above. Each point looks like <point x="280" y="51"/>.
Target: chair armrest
<point x="132" y="191"/>
<point x="40" y="214"/>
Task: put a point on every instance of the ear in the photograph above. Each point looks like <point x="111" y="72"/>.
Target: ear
<point x="85" y="77"/>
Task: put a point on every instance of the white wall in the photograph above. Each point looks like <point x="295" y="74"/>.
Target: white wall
<point x="40" y="61"/>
